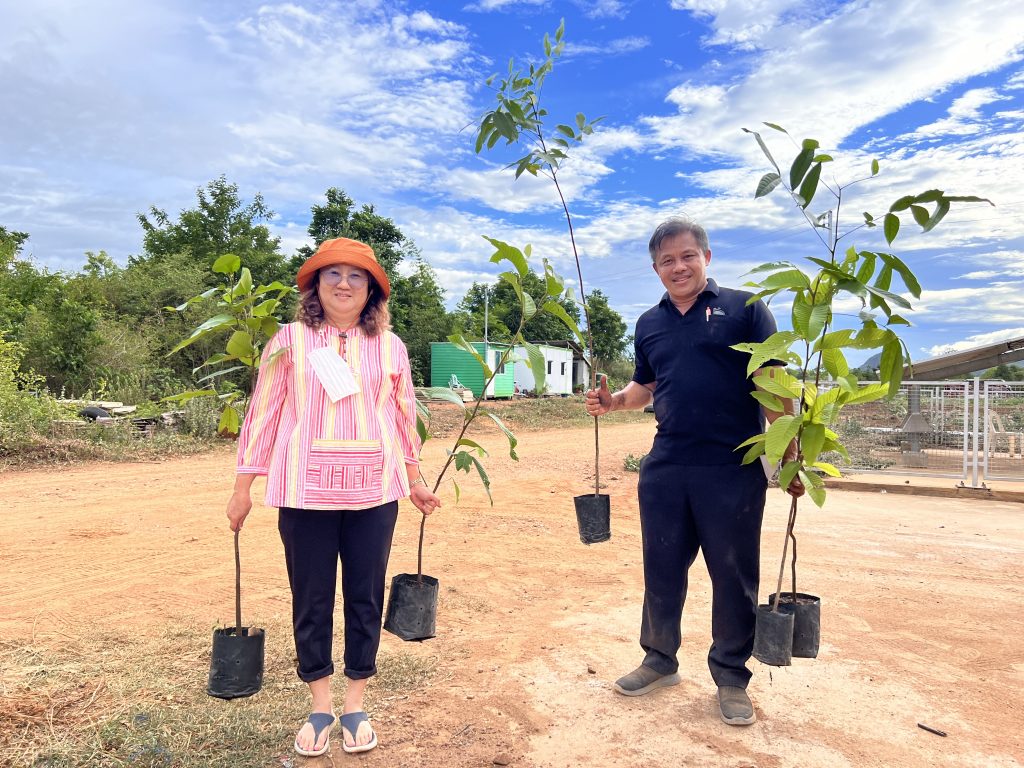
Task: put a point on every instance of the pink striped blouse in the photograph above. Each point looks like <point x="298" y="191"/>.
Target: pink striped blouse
<point x="349" y="454"/>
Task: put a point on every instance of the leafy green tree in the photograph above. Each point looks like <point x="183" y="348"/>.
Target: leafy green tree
<point x="220" y="223"/>
<point x="1004" y="372"/>
<point x="10" y="245"/>
<point x="60" y="339"/>
<point x="504" y="311"/>
<point x="607" y="329"/>
<point x="336" y="218"/>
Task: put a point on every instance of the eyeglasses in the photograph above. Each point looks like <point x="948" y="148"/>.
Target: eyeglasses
<point x="332" y="277"/>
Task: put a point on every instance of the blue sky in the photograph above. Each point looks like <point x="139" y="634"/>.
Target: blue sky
<point x="110" y="107"/>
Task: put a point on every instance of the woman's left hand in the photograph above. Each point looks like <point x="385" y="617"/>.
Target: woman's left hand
<point x="424" y="499"/>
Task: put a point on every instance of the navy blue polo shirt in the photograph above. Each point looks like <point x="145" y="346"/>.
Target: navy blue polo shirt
<point x="702" y="400"/>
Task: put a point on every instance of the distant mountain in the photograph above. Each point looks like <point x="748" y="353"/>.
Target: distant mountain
<point x="872" y="362"/>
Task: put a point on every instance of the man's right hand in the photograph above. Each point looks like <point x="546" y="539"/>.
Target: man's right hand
<point x="599" y="401"/>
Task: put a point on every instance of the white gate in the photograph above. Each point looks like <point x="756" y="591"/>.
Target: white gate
<point x="967" y="429"/>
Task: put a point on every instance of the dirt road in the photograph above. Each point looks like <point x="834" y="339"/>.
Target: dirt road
<point x="922" y="612"/>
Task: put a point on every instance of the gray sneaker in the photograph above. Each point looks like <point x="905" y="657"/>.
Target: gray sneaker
<point x="644" y="680"/>
<point x="735" y="705"/>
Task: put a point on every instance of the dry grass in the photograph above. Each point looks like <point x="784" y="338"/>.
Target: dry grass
<point x="112" y="700"/>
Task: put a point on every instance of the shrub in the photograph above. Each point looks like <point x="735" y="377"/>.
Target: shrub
<point x="26" y="407"/>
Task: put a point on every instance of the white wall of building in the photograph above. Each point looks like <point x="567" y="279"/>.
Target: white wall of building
<point x="558" y="364"/>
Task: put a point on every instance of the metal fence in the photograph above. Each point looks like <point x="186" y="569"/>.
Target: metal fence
<point x="972" y="430"/>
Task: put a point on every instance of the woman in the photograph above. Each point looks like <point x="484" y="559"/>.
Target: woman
<point x="332" y="424"/>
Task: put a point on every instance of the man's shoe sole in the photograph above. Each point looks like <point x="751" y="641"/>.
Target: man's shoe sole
<point x="661" y="682"/>
<point x="739" y="720"/>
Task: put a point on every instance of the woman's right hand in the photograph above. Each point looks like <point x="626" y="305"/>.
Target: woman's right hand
<point x="238" y="508"/>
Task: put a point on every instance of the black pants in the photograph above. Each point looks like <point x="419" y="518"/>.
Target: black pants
<point x="717" y="510"/>
<point x="313" y="542"/>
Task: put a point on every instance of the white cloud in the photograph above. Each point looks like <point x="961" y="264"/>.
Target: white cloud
<point x="965" y="116"/>
<point x="978" y="340"/>
<point x="500" y="5"/>
<point x="744" y="23"/>
<point x="816" y="76"/>
<point x="615" y="47"/>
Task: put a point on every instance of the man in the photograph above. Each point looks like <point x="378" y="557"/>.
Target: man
<point x="694" y="493"/>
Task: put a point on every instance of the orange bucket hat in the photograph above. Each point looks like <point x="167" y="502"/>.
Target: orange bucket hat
<point x="341" y="250"/>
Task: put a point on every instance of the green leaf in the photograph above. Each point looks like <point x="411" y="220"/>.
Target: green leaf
<point x="940" y="213"/>
<point x="553" y="282"/>
<point x="461" y="343"/>
<point x="790" y="278"/>
<point x="906" y="275"/>
<point x="538" y="365"/>
<point x="816" y="492"/>
<point x="244" y="284"/>
<point x="506" y="126"/>
<point x="184" y="397"/>
<point x="483" y="477"/>
<point x="869" y="393"/>
<point x="764" y="147"/>
<point x="835" y="363"/>
<point x="265" y="308"/>
<point x="929" y="196"/>
<point x="888" y="296"/>
<point x="270" y="326"/>
<point x="472" y="444"/>
<point x="214" y="323"/>
<point x="512" y="441"/>
<point x="787" y="473"/>
<point x="827" y="468"/>
<point x="810" y="185"/>
<point x="867" y="266"/>
<point x="890" y="367"/>
<point x="891" y="227"/>
<point x="458" y="491"/>
<point x="240" y="345"/>
<point x="529" y="307"/>
<point x="222" y="372"/>
<point x="920" y="214"/>
<point x="902" y="204"/>
<point x="968" y="199"/>
<point x="768" y="182"/>
<point x="874" y="167"/>
<point x="753" y="453"/>
<point x="228" y="424"/>
<point x="442" y="393"/>
<point x="772" y="267"/>
<point x="812" y="438"/>
<point x="227" y="264"/>
<point x="422" y="425"/>
<point x="768" y="400"/>
<point x="779" y="435"/>
<point x="798" y="170"/>
<point x="506" y="252"/>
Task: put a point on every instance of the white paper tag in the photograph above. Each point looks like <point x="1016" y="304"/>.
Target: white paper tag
<point x="333" y="372"/>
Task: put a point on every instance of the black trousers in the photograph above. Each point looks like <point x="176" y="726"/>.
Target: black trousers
<point x="313" y="542"/>
<point x="718" y="510"/>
